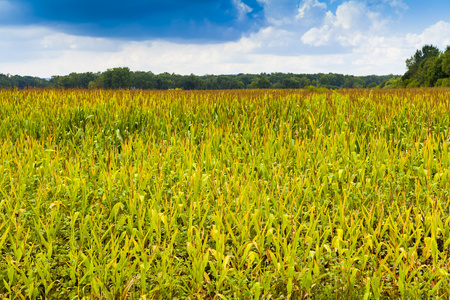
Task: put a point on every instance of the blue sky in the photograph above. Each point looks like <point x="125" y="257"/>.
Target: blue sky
<point x="359" y="37"/>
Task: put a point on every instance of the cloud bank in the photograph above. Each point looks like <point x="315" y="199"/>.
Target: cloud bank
<point x="143" y="19"/>
<point x="358" y="37"/>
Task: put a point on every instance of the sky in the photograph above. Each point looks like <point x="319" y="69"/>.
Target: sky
<point x="358" y="37"/>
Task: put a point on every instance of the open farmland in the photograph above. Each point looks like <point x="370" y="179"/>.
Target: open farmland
<point x="263" y="194"/>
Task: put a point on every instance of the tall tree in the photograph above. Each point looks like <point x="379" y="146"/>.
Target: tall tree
<point x="417" y="64"/>
<point x="117" y="78"/>
<point x="261" y="83"/>
<point x="446" y="61"/>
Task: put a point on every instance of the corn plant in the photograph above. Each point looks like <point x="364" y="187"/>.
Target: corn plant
<point x="249" y="194"/>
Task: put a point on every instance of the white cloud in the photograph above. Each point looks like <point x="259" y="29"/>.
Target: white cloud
<point x="397" y="4"/>
<point x="55" y="54"/>
<point x="349" y="15"/>
<point x="353" y="39"/>
<point x="280" y="12"/>
<point x="318" y="36"/>
<point x="437" y="34"/>
<point x="384" y="54"/>
<point x="242" y="8"/>
<point x="305" y="7"/>
<point x="40" y="39"/>
<point x="49" y="53"/>
<point x="351" y="21"/>
<point x="39" y="51"/>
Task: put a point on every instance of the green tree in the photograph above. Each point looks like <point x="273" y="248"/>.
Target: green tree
<point x="434" y="71"/>
<point x="324" y="80"/>
<point x="419" y="63"/>
<point x="304" y="82"/>
<point x="164" y="81"/>
<point x="247" y="79"/>
<point x="292" y="83"/>
<point x="262" y="83"/>
<point x="446" y="61"/>
<point x="443" y="82"/>
<point x="117" y="78"/>
<point x="143" y="80"/>
<point x="92" y="85"/>
<point x="191" y="82"/>
<point x="210" y="83"/>
<point x="392" y="83"/>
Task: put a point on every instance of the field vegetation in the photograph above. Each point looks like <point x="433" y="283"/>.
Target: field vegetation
<point x="239" y="194"/>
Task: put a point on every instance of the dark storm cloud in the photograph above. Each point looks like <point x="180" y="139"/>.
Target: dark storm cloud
<point x="143" y="19"/>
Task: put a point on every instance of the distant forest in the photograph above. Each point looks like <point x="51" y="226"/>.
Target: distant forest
<point x="428" y="67"/>
<point x="124" y="78"/>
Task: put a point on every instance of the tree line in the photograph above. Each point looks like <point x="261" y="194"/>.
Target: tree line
<point x="428" y="67"/>
<point x="125" y="78"/>
<point x="10" y="81"/>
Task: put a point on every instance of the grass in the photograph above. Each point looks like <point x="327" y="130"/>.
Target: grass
<point x="255" y="194"/>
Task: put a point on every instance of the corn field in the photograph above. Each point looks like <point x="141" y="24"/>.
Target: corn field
<point x="249" y="194"/>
